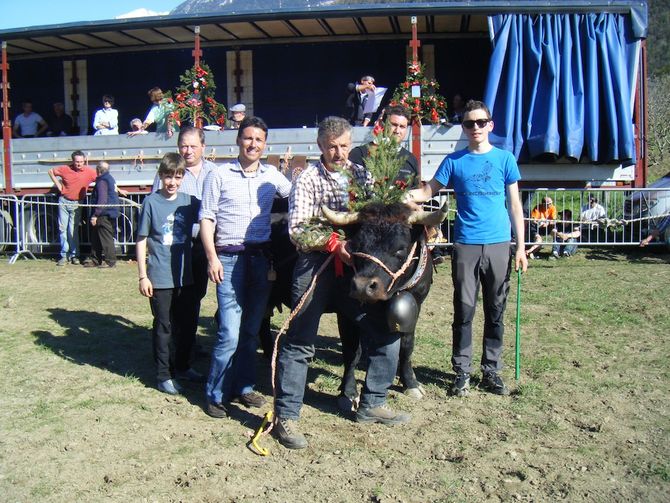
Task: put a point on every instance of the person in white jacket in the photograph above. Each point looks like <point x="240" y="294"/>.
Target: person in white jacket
<point x="106" y="120"/>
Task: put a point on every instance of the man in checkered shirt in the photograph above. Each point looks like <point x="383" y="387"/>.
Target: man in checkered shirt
<point x="325" y="183"/>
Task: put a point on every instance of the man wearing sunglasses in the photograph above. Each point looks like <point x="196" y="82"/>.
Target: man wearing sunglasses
<point x="484" y="178"/>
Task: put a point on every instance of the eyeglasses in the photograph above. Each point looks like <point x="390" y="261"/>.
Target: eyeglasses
<point x="480" y="123"/>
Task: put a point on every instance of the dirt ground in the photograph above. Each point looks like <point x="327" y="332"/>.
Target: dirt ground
<point x="587" y="421"/>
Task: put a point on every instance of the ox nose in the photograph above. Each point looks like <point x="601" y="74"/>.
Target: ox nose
<point x="367" y="289"/>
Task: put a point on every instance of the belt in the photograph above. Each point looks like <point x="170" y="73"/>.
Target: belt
<point x="245" y="248"/>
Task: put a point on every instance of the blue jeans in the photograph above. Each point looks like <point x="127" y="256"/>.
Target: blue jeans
<point x="297" y="348"/>
<point x="69" y="216"/>
<point x="568" y="249"/>
<point x="242" y="298"/>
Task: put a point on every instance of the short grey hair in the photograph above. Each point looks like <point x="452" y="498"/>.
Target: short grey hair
<point x="102" y="167"/>
<point x="332" y="127"/>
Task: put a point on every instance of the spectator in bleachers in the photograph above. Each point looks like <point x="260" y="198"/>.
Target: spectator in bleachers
<point x="60" y="123"/>
<point x="106" y="120"/>
<point x="457" y="109"/>
<point x="29" y="124"/>
<point x="565" y="233"/>
<point x="542" y="217"/>
<point x="159" y="114"/>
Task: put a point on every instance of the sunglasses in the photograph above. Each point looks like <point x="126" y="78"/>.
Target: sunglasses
<point x="480" y="123"/>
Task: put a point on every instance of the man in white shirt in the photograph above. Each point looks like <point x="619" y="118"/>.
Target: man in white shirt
<point x="29" y="124"/>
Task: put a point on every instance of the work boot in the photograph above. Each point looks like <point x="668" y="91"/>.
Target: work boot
<point x="288" y="435"/>
<point x="382" y="414"/>
<point x="493" y="383"/>
<point x="217" y="410"/>
<point x="251" y="399"/>
<point x="461" y="386"/>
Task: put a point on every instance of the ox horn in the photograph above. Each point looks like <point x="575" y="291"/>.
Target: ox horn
<point x="339" y="217"/>
<point x="428" y="218"/>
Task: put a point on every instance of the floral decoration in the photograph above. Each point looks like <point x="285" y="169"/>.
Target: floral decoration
<point x="193" y="101"/>
<point x="430" y="106"/>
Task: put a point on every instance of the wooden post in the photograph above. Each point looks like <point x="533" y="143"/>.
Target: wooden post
<point x="197" y="53"/>
<point x="6" y="124"/>
<point x="415" y="43"/>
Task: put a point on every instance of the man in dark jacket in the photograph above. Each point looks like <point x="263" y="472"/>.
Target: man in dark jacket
<point x="103" y="219"/>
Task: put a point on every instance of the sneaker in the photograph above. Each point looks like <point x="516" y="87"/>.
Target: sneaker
<point x="554" y="255"/>
<point x="493" y="383"/>
<point x="75" y="261"/>
<point x="567" y="255"/>
<point x="251" y="399"/>
<point x="191" y="375"/>
<point x="61" y="262"/>
<point x="217" y="410"/>
<point x="531" y="256"/>
<point x="288" y="435"/>
<point x="461" y="386"/>
<point x="168" y="386"/>
<point x="382" y="414"/>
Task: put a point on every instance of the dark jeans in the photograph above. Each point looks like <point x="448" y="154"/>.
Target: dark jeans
<point x="472" y="265"/>
<point x="102" y="240"/>
<point x="297" y="347"/>
<point x="200" y="279"/>
<point x="171" y="345"/>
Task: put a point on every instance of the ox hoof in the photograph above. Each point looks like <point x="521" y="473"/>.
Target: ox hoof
<point x="347" y="405"/>
<point x="416" y="393"/>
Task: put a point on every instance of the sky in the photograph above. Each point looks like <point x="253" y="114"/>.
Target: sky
<point x="17" y="14"/>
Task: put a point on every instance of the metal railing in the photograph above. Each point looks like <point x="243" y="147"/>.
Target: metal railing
<point x="607" y="217"/>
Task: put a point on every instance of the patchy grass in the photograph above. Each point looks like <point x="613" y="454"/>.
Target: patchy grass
<point x="588" y="420"/>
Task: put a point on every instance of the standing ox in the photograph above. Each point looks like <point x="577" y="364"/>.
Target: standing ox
<point x="393" y="267"/>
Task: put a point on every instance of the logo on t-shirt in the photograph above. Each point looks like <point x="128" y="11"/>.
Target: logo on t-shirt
<point x="480" y="180"/>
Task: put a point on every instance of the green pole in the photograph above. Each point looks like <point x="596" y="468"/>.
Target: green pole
<point x="517" y="356"/>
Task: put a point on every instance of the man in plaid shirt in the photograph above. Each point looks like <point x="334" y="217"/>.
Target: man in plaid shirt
<point x="326" y="184"/>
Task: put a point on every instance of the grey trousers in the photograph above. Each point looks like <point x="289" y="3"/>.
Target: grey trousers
<point x="490" y="266"/>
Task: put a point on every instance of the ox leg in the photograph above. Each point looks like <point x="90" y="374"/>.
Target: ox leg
<point x="405" y="371"/>
<point x="351" y="355"/>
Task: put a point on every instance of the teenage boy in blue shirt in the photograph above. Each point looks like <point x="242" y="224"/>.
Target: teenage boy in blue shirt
<point x="165" y="229"/>
<point x="484" y="178"/>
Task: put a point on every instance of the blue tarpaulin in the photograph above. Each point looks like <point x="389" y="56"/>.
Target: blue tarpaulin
<point x="563" y="85"/>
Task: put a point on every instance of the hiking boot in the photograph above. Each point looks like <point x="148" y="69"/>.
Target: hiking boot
<point x="461" y="386"/>
<point x="288" y="435"/>
<point x="61" y="262"/>
<point x="217" y="410"/>
<point x="168" y="386"/>
<point x="75" y="261"/>
<point x="382" y="414"/>
<point x="251" y="399"/>
<point x="493" y="383"/>
<point x="190" y="375"/>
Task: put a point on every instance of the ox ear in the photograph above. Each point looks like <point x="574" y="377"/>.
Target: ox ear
<point x="339" y="218"/>
<point x="428" y="218"/>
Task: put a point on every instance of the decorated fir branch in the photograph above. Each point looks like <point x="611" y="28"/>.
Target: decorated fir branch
<point x="430" y="106"/>
<point x="383" y="163"/>
<point x="193" y="101"/>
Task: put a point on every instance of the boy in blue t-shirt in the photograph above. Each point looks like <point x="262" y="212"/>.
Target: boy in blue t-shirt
<point x="165" y="228"/>
<point x="484" y="178"/>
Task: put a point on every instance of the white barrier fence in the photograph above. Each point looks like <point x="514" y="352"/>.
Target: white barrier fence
<point x="606" y="217"/>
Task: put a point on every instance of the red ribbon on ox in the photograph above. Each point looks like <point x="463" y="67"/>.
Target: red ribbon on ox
<point x="331" y="246"/>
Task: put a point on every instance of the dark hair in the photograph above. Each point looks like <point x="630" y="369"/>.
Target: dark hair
<point x="77" y="153"/>
<point x="108" y="97"/>
<point x="398" y="110"/>
<point x="476" y="105"/>
<point x="153" y="92"/>
<point x="251" y="121"/>
<point x="172" y="164"/>
<point x="191" y="130"/>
